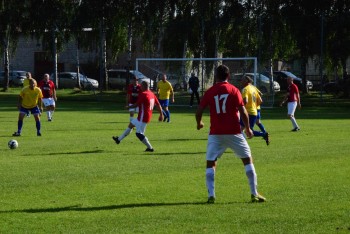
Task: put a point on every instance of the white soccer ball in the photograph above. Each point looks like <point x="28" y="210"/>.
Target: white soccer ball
<point x="13" y="144"/>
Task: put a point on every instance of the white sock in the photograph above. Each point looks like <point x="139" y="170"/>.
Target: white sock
<point x="252" y="178"/>
<point x="210" y="181"/>
<point x="48" y="114"/>
<point x="294" y="122"/>
<point x="125" y="133"/>
<point x="146" y="142"/>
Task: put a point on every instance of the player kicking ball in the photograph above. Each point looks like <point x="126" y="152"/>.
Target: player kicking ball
<point x="145" y="102"/>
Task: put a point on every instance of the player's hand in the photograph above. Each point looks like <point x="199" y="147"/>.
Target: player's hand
<point x="249" y="133"/>
<point x="200" y="125"/>
<point x="160" y="118"/>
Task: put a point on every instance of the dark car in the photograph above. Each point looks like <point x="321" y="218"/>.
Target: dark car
<point x="281" y="78"/>
<point x="117" y="77"/>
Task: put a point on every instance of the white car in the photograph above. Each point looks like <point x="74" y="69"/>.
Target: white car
<point x="16" y="78"/>
<point x="69" y="80"/>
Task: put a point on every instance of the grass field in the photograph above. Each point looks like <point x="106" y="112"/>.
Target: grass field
<point x="75" y="179"/>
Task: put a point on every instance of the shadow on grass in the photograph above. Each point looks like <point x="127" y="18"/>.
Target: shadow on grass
<point x="111" y="207"/>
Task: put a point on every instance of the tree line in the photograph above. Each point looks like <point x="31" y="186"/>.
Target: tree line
<point x="268" y="29"/>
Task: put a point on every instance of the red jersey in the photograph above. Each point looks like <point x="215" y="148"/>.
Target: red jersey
<point x="133" y="91"/>
<point x="146" y="102"/>
<point x="223" y="100"/>
<point x="47" y="88"/>
<point x="293" y="93"/>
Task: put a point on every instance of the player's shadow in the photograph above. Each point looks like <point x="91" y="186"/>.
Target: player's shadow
<point x="100" y="208"/>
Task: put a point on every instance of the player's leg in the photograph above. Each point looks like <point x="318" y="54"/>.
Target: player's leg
<point x="23" y="112"/>
<point x="127" y="131"/>
<point x="140" y="133"/>
<point x="36" y="113"/>
<point x="215" y="148"/>
<point x="291" y="110"/>
<point x="258" y="122"/>
<point x="240" y="146"/>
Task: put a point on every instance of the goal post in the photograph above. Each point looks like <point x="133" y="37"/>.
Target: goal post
<point x="179" y="70"/>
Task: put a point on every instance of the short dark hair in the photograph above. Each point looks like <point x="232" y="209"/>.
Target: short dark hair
<point x="222" y="72"/>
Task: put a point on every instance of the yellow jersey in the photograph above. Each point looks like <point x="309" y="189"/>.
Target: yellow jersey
<point x="30" y="97"/>
<point x="26" y="82"/>
<point x="164" y="89"/>
<point x="250" y="94"/>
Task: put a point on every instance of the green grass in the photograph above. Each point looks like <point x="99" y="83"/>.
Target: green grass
<point x="75" y="179"/>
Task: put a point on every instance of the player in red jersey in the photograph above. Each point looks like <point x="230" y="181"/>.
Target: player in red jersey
<point x="131" y="97"/>
<point x="226" y="108"/>
<point x="145" y="102"/>
<point x="49" y="93"/>
<point x="293" y="98"/>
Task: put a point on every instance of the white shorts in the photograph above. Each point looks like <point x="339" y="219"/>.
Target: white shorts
<point x="291" y="108"/>
<point x="217" y="144"/>
<point x="135" y="110"/>
<point x="49" y="102"/>
<point x="140" y="126"/>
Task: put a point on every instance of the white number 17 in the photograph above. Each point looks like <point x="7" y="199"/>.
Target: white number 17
<point x="223" y="105"/>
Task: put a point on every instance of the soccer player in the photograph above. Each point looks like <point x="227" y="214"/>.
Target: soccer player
<point x="49" y="93"/>
<point x="225" y="106"/>
<point x="252" y="100"/>
<point x="146" y="102"/>
<point x="30" y="100"/>
<point x="131" y="97"/>
<point x="165" y="89"/>
<point x="26" y="81"/>
<point x="293" y="98"/>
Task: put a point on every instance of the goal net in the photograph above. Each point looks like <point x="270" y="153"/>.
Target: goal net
<point x="179" y="70"/>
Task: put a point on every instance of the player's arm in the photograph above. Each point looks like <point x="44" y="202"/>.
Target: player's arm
<point x="19" y="104"/>
<point x="199" y="114"/>
<point x="160" y="110"/>
<point x="172" y="93"/>
<point x="244" y="116"/>
<point x="298" y="101"/>
<point x="258" y="100"/>
<point x="40" y="104"/>
<point x="284" y="99"/>
<point x="54" y="94"/>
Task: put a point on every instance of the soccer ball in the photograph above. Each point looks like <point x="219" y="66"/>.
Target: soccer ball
<point x="13" y="144"/>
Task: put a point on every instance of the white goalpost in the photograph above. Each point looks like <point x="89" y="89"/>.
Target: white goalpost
<point x="178" y="71"/>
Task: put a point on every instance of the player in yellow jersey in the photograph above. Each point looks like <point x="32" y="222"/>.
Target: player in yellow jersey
<point x="258" y="117"/>
<point x="29" y="101"/>
<point x="165" y="89"/>
<point x="252" y="100"/>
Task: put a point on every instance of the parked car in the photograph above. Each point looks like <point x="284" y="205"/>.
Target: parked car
<point x="69" y="80"/>
<point x="16" y="78"/>
<point x="281" y="78"/>
<point x="117" y="77"/>
<point x="262" y="82"/>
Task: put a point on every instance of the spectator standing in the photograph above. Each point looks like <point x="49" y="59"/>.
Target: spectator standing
<point x="30" y="100"/>
<point x="49" y="95"/>
<point x="293" y="99"/>
<point x="145" y="102"/>
<point x="225" y="106"/>
<point x="194" y="86"/>
<point x="165" y="89"/>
